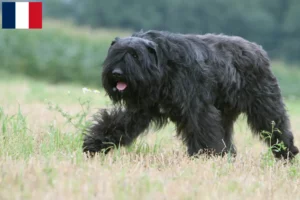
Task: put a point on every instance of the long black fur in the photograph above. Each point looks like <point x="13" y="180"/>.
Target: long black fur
<point x="200" y="82"/>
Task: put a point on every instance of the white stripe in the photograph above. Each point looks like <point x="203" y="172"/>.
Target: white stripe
<point x="22" y="15"/>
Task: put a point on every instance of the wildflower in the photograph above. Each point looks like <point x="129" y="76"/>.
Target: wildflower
<point x="85" y="90"/>
<point x="96" y="91"/>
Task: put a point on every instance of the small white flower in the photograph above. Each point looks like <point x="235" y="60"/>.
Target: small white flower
<point x="85" y="90"/>
<point x="96" y="91"/>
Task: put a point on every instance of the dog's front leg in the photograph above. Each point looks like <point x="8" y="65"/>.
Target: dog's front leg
<point x="114" y="128"/>
<point x="202" y="132"/>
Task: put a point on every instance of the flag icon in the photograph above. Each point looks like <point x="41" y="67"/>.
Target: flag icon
<point x="22" y="15"/>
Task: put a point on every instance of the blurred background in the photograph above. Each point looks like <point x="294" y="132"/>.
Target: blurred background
<point x="77" y="33"/>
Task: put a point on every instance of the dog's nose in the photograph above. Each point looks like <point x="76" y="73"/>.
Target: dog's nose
<point x="117" y="72"/>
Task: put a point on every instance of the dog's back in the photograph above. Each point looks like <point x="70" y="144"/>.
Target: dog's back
<point x="230" y="48"/>
<point x="236" y="49"/>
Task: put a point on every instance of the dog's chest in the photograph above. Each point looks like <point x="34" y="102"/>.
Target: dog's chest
<point x="172" y="113"/>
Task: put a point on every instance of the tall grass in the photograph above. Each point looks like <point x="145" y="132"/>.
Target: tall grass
<point x="41" y="155"/>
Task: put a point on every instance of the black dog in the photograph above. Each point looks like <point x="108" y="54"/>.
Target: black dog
<point x="200" y="82"/>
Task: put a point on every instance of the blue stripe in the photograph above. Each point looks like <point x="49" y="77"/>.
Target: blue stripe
<point x="8" y="15"/>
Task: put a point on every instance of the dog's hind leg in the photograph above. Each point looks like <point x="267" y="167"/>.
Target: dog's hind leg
<point x="114" y="128"/>
<point x="267" y="109"/>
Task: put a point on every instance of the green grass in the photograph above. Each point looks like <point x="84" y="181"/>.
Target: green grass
<point x="41" y="156"/>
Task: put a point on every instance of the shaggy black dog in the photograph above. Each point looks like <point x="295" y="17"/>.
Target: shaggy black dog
<point x="200" y="82"/>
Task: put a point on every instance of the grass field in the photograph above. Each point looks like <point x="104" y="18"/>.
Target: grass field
<point x="41" y="158"/>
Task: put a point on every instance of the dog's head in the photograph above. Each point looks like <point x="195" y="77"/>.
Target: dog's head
<point x="131" y="72"/>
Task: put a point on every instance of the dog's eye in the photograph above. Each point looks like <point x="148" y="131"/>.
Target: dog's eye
<point x="134" y="55"/>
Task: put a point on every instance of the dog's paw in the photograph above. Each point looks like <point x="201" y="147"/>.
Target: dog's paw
<point x="287" y="154"/>
<point x="92" y="145"/>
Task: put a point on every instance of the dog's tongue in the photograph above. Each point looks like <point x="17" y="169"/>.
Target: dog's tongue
<point x="121" y="86"/>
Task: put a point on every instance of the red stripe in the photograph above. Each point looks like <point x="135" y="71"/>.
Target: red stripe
<point x="35" y="15"/>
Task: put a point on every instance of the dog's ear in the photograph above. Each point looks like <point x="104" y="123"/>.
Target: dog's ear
<point x="153" y="49"/>
<point x="114" y="41"/>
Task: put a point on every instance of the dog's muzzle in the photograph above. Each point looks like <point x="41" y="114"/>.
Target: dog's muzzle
<point x="118" y="75"/>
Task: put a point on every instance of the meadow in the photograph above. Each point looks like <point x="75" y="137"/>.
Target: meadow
<point x="41" y="156"/>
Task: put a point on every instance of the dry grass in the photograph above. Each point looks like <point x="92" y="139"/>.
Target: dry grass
<point x="40" y="157"/>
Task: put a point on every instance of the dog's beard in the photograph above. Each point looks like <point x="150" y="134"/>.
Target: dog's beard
<point x="130" y="92"/>
<point x="119" y="85"/>
<point x="117" y="89"/>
